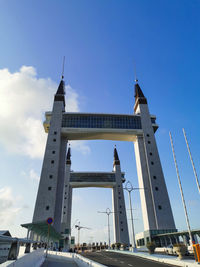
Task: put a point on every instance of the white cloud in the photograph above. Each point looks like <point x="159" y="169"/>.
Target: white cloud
<point x="81" y="146"/>
<point x="24" y="99"/>
<point x="31" y="175"/>
<point x="8" y="207"/>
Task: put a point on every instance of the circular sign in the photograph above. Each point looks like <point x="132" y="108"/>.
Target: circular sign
<point x="49" y="220"/>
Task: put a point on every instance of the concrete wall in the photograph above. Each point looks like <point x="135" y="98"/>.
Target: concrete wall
<point x="33" y="259"/>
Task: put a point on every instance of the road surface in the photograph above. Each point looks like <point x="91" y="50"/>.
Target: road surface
<point x="113" y="259"/>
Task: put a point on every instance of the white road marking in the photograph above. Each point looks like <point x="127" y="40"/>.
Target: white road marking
<point x="130" y="265"/>
<point x="121" y="261"/>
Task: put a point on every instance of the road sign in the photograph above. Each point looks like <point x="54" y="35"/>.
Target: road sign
<point x="49" y="220"/>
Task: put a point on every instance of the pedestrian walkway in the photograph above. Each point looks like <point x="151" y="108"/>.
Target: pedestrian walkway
<point x="58" y="261"/>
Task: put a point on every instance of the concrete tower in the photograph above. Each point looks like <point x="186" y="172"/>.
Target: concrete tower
<point x="156" y="208"/>
<point x="120" y="225"/>
<point x="50" y="193"/>
<point x="67" y="203"/>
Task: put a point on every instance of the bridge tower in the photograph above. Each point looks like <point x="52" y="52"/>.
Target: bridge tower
<point x="120" y="225"/>
<point x="156" y="208"/>
<point x="50" y="193"/>
<point x="67" y="203"/>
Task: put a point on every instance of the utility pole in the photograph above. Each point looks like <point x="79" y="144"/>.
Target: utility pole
<point x="181" y="190"/>
<point x="107" y="212"/>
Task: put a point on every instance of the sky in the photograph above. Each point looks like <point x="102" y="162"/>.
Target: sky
<point x="103" y="42"/>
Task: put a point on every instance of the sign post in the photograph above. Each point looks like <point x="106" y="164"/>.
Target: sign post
<point x="49" y="222"/>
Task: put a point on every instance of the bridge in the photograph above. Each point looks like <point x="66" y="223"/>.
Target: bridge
<point x="54" y="198"/>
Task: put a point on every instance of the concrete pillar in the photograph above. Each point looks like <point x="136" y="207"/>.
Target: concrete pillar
<point x="50" y="192"/>
<point x="194" y="237"/>
<point x="14" y="251"/>
<point x="28" y="233"/>
<point x="156" y="208"/>
<point x="120" y="225"/>
<point x="186" y="239"/>
<point x="28" y="248"/>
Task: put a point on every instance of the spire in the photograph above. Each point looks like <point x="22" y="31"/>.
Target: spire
<point x="139" y="96"/>
<point x="116" y="157"/>
<point x="68" y="156"/>
<point x="138" y="91"/>
<point x="60" y="94"/>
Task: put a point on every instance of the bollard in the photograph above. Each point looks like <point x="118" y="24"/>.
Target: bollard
<point x="196" y="248"/>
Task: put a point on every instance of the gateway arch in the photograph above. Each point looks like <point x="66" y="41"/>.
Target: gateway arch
<point x="53" y="197"/>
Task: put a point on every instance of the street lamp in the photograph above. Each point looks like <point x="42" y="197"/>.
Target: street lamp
<point x="108" y="212"/>
<point x="129" y="188"/>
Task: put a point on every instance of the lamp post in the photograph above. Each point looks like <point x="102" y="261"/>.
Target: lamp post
<point x="129" y="188"/>
<point x="107" y="212"/>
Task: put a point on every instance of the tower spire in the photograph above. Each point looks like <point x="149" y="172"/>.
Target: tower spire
<point x="116" y="157"/>
<point x="63" y="68"/>
<point x="60" y="94"/>
<point x="69" y="155"/>
<point x="139" y="96"/>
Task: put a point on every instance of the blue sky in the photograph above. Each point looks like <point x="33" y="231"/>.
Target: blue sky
<point x="102" y="40"/>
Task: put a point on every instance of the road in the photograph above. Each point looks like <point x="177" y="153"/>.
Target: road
<point x="113" y="259"/>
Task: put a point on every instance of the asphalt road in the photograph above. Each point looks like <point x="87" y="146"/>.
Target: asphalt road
<point x="121" y="260"/>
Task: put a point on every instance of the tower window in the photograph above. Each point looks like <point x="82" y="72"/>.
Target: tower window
<point x="65" y="198"/>
<point x="49" y="188"/>
<point x="120" y="206"/>
<point x="156" y="188"/>
<point x="119" y="197"/>
<point x="150" y="154"/>
<point x="64" y="212"/>
<point x="47" y="207"/>
<point x="53" y="152"/>
<point x="119" y="193"/>
<point x="154" y="177"/>
<point x="52" y="162"/>
<point x="121" y="222"/>
<point x="54" y="139"/>
<point x="50" y="176"/>
<point x="118" y="185"/>
<point x="66" y="186"/>
<point x="152" y="162"/>
<point x="120" y="212"/>
<point x="64" y="207"/>
<point x="159" y="207"/>
<point x="149" y="142"/>
<point x="55" y="132"/>
<point x="122" y="229"/>
<point x="147" y="135"/>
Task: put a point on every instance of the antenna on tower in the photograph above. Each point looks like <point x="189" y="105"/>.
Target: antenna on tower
<point x="135" y="74"/>
<point x="63" y="68"/>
